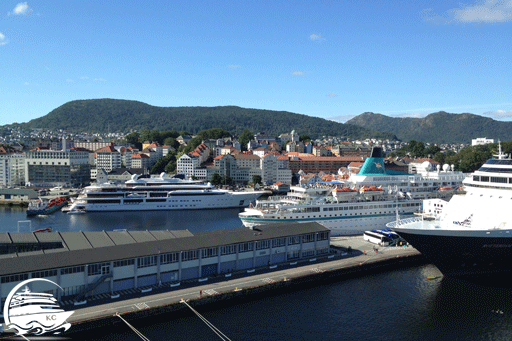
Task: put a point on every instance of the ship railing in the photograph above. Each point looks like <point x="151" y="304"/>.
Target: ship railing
<point x="402" y="222"/>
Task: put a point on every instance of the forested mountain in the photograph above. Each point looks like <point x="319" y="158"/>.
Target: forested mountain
<point x="113" y="115"/>
<point x="439" y="127"/>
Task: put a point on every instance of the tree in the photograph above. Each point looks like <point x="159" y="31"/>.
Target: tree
<point x="304" y="138"/>
<point x="133" y="138"/>
<point x="431" y="150"/>
<point x="171" y="141"/>
<point x="256" y="179"/>
<point x="216" y="179"/>
<point x="163" y="163"/>
<point x="226" y="180"/>
<point x="244" y="138"/>
<point x="417" y="149"/>
<point x="171" y="167"/>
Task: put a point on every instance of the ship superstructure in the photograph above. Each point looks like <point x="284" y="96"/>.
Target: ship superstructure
<point x="471" y="235"/>
<point x="367" y="200"/>
<point x="162" y="193"/>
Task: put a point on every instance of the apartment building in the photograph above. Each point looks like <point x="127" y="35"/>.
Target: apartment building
<point x="108" y="158"/>
<point x="12" y="167"/>
<point x="57" y="168"/>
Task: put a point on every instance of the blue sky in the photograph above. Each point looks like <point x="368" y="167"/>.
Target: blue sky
<point x="330" y="59"/>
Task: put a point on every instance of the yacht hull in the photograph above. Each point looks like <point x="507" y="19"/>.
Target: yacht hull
<point x="176" y="202"/>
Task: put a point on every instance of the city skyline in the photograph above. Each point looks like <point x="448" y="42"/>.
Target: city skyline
<point x="333" y="60"/>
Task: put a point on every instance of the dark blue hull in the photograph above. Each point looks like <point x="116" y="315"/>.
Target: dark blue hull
<point x="471" y="258"/>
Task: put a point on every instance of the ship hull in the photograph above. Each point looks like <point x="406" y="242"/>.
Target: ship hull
<point x="182" y="202"/>
<point x="46" y="210"/>
<point x="339" y="226"/>
<point x="471" y="255"/>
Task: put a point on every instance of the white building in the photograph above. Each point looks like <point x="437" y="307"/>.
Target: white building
<point x="57" y="168"/>
<point x="481" y="140"/>
<point x="140" y="160"/>
<point x="12" y="169"/>
<point x="239" y="167"/>
<point x="108" y="158"/>
<point x="187" y="164"/>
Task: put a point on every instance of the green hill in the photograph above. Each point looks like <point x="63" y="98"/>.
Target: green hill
<point x="113" y="115"/>
<point x="439" y="127"/>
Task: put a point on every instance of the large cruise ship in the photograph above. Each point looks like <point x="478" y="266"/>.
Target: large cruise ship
<point x="162" y="193"/>
<point x="367" y="200"/>
<point x="471" y="235"/>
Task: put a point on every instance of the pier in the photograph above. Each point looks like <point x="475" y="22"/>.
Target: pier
<point x="354" y="257"/>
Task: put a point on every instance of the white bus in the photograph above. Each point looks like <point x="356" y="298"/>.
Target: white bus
<point x="381" y="237"/>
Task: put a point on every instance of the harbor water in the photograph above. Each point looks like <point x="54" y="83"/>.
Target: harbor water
<point x="397" y="305"/>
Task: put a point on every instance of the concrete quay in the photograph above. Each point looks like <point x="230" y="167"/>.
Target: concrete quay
<point x="248" y="284"/>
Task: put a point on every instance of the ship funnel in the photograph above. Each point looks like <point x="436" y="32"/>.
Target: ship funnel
<point x="376" y="152"/>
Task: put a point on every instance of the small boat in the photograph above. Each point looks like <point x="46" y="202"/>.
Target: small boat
<point x="76" y="211"/>
<point x="48" y="229"/>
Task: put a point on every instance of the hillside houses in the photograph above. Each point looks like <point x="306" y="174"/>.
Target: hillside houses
<point x="273" y="159"/>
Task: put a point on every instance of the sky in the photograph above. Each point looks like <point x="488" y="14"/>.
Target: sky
<point x="329" y="59"/>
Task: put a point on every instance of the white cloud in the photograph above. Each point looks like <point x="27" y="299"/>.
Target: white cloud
<point x="3" y="39"/>
<point x="412" y="114"/>
<point x="341" y="118"/>
<point x="84" y="77"/>
<point x="100" y="79"/>
<point x="234" y="66"/>
<point x="488" y="11"/>
<point x="20" y="9"/>
<point x="298" y="73"/>
<point x="69" y="80"/>
<point x="316" y="37"/>
<point x="332" y="95"/>
<point x="498" y="114"/>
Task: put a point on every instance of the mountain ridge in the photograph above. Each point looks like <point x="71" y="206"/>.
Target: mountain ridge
<point x="439" y="127"/>
<point x="118" y="115"/>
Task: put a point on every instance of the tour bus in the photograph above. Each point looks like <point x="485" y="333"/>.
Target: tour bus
<point x="380" y="237"/>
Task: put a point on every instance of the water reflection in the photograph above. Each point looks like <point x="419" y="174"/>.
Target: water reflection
<point x="193" y="220"/>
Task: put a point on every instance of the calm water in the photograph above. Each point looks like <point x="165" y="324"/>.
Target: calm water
<point x="12" y="217"/>
<point x="397" y="305"/>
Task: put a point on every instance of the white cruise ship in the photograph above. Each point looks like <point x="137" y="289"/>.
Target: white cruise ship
<point x="163" y="193"/>
<point x="367" y="200"/>
<point x="470" y="236"/>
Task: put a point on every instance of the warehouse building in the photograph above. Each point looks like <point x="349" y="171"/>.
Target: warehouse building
<point x="92" y="263"/>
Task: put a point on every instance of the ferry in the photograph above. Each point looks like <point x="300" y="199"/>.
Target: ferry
<point x="365" y="201"/>
<point x="161" y="193"/>
<point x="469" y="236"/>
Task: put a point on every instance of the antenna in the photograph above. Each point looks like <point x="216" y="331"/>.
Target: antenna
<point x="500" y="155"/>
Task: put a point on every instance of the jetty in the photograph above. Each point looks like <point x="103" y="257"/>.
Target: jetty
<point x="354" y="257"/>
